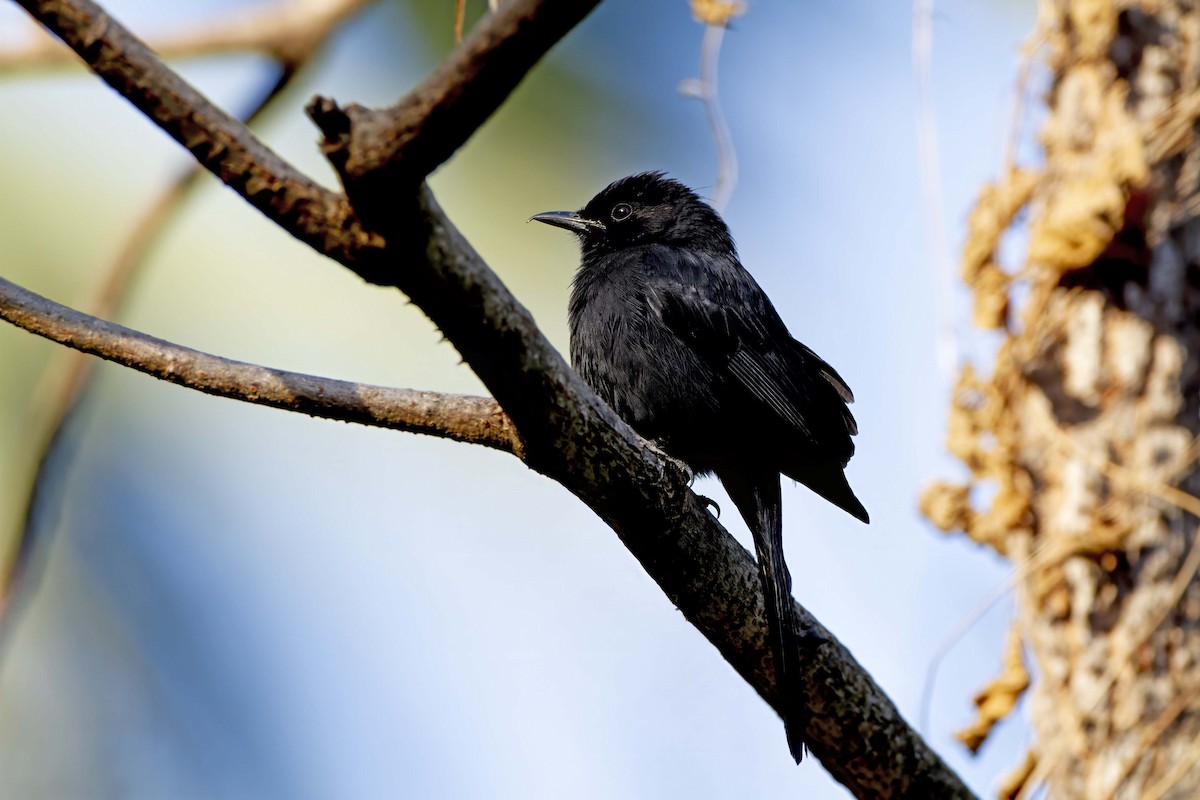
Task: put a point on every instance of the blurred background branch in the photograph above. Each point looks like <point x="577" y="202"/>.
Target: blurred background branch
<point x="716" y="18"/>
<point x="220" y="143"/>
<point x="286" y="30"/>
<point x="64" y="382"/>
<point x="460" y="16"/>
<point x="934" y="204"/>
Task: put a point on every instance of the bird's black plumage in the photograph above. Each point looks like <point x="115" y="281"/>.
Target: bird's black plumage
<point x="670" y="329"/>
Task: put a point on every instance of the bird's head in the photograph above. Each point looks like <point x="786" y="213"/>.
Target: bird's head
<point x="643" y="209"/>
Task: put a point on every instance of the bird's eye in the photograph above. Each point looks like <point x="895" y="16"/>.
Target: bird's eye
<point x="621" y="211"/>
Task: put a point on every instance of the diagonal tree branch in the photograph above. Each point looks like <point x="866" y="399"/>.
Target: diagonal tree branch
<point x="702" y="569"/>
<point x="566" y="431"/>
<point x="476" y="420"/>
<point x="856" y="731"/>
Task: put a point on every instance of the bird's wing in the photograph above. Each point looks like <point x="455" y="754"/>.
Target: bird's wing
<point x="771" y="385"/>
<point x="712" y="304"/>
<point x="828" y="373"/>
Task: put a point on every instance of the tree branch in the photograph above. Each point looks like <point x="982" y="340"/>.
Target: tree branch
<point x="69" y="382"/>
<point x="383" y="149"/>
<point x="280" y="29"/>
<point x="476" y="420"/>
<point x="219" y="142"/>
<point x="65" y="382"/>
<point x="702" y="569"/>
<point x="566" y="432"/>
<point x="571" y="436"/>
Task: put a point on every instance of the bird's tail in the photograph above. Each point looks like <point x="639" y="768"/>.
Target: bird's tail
<point x="829" y="481"/>
<point x="759" y="502"/>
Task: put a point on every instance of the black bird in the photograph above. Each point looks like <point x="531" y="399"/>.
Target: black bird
<point x="670" y="329"/>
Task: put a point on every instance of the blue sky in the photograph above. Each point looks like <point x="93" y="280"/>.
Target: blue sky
<point x="238" y="602"/>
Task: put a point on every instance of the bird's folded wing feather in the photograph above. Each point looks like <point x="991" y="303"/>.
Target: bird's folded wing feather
<point x="765" y="383"/>
<point x="712" y="304"/>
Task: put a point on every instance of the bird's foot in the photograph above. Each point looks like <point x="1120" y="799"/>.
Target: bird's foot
<point x="710" y="503"/>
<point x="670" y="459"/>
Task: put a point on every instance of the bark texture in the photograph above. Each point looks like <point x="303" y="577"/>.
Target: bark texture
<point x="548" y="417"/>
<point x="1084" y="437"/>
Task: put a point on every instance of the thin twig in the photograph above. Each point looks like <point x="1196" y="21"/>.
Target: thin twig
<point x="280" y="29"/>
<point x="61" y="384"/>
<point x="1020" y="89"/>
<point x="460" y="16"/>
<point x="219" y="142"/>
<point x="462" y="418"/>
<point x="1043" y="555"/>
<point x="931" y="189"/>
<point x="704" y="89"/>
<point x="62" y="387"/>
<point x="477" y="420"/>
<point x="948" y="642"/>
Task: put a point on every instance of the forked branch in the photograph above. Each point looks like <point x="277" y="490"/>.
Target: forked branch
<point x="395" y="233"/>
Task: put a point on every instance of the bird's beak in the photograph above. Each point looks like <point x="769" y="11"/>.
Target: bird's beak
<point x="569" y="220"/>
